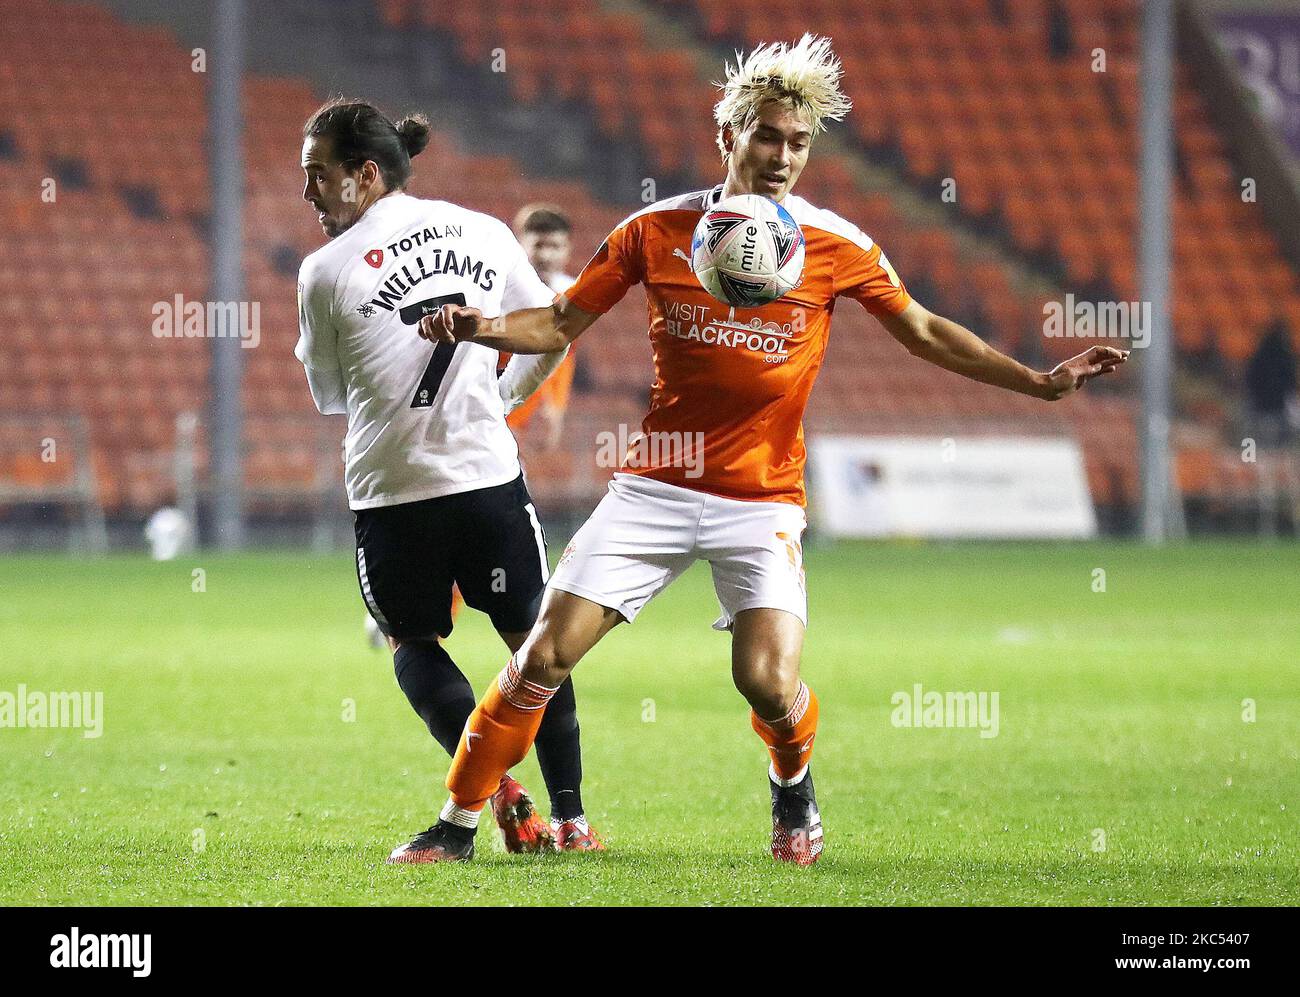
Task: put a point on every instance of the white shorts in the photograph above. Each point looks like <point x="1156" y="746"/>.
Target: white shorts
<point x="645" y="533"/>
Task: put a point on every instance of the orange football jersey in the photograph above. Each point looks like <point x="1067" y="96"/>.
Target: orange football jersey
<point x="731" y="384"/>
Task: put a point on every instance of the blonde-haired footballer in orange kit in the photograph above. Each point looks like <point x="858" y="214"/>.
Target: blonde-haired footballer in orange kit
<point x="738" y="501"/>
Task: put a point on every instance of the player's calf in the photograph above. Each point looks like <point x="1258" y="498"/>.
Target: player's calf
<point x="498" y="735"/>
<point x="435" y="687"/>
<point x="796" y="823"/>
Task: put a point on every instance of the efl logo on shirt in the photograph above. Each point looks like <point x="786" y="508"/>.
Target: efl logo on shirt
<point x="375" y="258"/>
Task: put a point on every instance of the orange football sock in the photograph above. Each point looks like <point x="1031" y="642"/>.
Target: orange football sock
<point x="790" y="739"/>
<point x="498" y="735"/>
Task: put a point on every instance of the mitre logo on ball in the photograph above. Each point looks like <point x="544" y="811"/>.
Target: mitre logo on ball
<point x="747" y="251"/>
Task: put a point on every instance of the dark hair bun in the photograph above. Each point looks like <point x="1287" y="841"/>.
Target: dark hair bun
<point x="414" y="133"/>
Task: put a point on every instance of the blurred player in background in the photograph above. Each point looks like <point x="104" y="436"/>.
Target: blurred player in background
<point x="739" y="504"/>
<point x="546" y="235"/>
<point x="432" y="470"/>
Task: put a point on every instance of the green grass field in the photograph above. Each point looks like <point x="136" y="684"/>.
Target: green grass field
<point x="227" y="774"/>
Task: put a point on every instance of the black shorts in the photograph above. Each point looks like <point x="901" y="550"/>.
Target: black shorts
<point x="488" y="542"/>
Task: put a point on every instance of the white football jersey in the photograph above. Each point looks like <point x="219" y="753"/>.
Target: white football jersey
<point x="423" y="421"/>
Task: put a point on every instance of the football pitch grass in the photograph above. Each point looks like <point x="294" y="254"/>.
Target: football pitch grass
<point x="255" y="751"/>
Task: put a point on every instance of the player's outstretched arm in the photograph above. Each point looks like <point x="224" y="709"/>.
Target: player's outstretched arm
<point x="530" y="330"/>
<point x="954" y="347"/>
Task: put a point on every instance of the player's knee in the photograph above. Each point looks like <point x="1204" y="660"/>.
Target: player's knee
<point x="545" y="662"/>
<point x="397" y="643"/>
<point x="769" y="682"/>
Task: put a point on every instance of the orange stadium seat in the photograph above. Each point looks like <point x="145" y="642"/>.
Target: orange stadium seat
<point x="133" y="385"/>
<point x="1046" y="147"/>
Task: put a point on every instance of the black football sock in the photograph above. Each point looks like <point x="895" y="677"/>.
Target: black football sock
<point x="438" y="692"/>
<point x="559" y="754"/>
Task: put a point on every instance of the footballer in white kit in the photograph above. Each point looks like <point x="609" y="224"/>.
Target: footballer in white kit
<point x="432" y="470"/>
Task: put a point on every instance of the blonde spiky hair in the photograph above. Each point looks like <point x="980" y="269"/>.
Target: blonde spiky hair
<point x="805" y="74"/>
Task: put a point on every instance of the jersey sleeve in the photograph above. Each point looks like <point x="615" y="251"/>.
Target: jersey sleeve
<point x="317" y="347"/>
<point x="867" y="276"/>
<point x="526" y="373"/>
<point x="557" y="388"/>
<point x="616" y="266"/>
<point x="523" y="288"/>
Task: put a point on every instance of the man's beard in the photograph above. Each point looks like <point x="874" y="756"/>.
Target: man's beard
<point x="334" y="228"/>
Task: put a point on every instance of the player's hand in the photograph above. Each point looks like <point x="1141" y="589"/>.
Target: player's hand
<point x="1074" y="373"/>
<point x="450" y="324"/>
